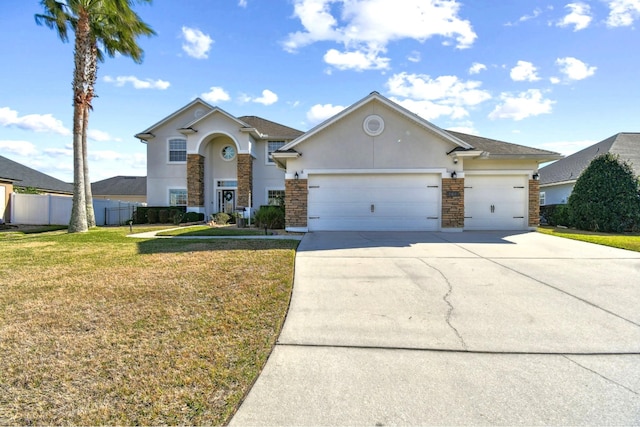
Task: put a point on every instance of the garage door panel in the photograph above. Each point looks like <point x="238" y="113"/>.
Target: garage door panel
<point x="496" y="202"/>
<point x="374" y="202"/>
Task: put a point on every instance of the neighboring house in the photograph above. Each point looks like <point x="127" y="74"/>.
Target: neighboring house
<point x="373" y="166"/>
<point x="124" y="188"/>
<point x="6" y="188"/>
<point x="15" y="175"/>
<point x="558" y="179"/>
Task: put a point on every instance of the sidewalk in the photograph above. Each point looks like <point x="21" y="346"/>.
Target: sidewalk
<point x="153" y="235"/>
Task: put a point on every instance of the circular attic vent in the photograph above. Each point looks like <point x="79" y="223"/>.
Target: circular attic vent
<point x="373" y="125"/>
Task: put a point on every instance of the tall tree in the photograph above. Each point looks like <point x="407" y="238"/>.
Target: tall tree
<point x="114" y="26"/>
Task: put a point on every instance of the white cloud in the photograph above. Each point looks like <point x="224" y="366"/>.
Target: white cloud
<point x="215" y="94"/>
<point x="415" y="56"/>
<point x="137" y="83"/>
<point x="267" y="98"/>
<point x="476" y="67"/>
<point x="622" y="13"/>
<point x="522" y="105"/>
<point x="59" y="152"/>
<point x="319" y="112"/>
<point x="21" y="148"/>
<point x="242" y="3"/>
<point x="100" y="136"/>
<point x="537" y="12"/>
<point x="580" y="16"/>
<point x="106" y="155"/>
<point x="32" y="122"/>
<point x="574" y="69"/>
<point x="366" y="27"/>
<point x="358" y="60"/>
<point x="432" y="98"/>
<point x="566" y="147"/>
<point x="524" y="71"/>
<point x="197" y="44"/>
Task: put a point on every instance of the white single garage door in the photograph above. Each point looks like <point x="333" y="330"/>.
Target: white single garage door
<point x="366" y="202"/>
<point x="496" y="202"/>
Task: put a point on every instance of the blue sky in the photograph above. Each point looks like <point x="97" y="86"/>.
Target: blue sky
<point x="557" y="75"/>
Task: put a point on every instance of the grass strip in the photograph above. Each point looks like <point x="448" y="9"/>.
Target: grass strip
<point x="204" y="230"/>
<point x="629" y="241"/>
<point x="97" y="328"/>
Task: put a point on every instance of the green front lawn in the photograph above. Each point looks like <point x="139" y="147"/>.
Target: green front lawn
<point x="629" y="241"/>
<point x="101" y="329"/>
<point x="205" y="230"/>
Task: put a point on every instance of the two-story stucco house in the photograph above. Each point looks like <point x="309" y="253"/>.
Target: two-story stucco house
<point x="373" y="166"/>
<point x="206" y="159"/>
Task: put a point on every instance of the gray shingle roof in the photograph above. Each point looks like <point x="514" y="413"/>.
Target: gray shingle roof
<point x="121" y="186"/>
<point x="26" y="177"/>
<point x="626" y="145"/>
<point x="501" y="148"/>
<point x="272" y="129"/>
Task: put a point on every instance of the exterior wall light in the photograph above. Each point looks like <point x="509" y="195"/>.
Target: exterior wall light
<point x="536" y="176"/>
<point x="296" y="176"/>
<point x="454" y="175"/>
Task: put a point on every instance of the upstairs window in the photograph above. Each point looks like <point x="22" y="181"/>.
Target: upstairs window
<point x="271" y="147"/>
<point x="177" y="150"/>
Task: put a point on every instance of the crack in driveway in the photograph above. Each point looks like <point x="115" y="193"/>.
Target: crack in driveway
<point x="445" y="298"/>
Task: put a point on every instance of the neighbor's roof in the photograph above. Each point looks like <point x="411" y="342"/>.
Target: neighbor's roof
<point x="27" y="177"/>
<point x="121" y="186"/>
<point x="271" y="129"/>
<point x="495" y="148"/>
<point x="625" y="144"/>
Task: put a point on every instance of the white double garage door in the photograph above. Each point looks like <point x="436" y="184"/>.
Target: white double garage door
<point x="412" y="202"/>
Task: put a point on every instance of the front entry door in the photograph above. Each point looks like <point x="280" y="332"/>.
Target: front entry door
<point x="227" y="201"/>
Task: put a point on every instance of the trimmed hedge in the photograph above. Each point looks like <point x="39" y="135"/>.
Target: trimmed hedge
<point x="165" y="215"/>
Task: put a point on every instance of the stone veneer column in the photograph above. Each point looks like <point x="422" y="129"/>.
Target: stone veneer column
<point x="534" y="203"/>
<point x="245" y="180"/>
<point x="195" y="180"/>
<point x="452" y="202"/>
<point x="295" y="201"/>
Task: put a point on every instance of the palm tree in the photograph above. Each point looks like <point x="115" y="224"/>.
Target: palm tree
<point x="113" y="25"/>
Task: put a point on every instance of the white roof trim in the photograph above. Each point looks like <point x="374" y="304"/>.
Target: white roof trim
<point x="221" y="111"/>
<point x="176" y="113"/>
<point x="392" y="105"/>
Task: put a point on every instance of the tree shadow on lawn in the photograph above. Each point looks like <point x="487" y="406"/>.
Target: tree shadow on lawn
<point x="154" y="246"/>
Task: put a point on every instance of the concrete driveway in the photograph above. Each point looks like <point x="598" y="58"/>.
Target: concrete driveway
<point x="455" y="328"/>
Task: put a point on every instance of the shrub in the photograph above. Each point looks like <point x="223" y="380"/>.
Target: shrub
<point x="605" y="197"/>
<point x="152" y="215"/>
<point x="270" y="217"/>
<point x="221" y="218"/>
<point x="140" y="215"/>
<point x="163" y="216"/>
<point x="193" y="217"/>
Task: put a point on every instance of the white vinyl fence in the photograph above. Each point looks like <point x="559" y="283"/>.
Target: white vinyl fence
<point x="48" y="209"/>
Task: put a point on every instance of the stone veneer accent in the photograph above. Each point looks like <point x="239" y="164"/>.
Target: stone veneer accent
<point x="245" y="180"/>
<point x="295" y="201"/>
<point x="195" y="180"/>
<point x="452" y="203"/>
<point x="534" y="203"/>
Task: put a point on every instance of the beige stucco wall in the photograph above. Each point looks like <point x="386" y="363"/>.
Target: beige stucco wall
<point x="265" y="176"/>
<point x="4" y="207"/>
<point x="345" y="145"/>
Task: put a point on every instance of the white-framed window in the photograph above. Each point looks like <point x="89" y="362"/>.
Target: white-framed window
<point x="177" y="197"/>
<point x="542" y="198"/>
<point x="177" y="150"/>
<point x="271" y="147"/>
<point x="275" y="196"/>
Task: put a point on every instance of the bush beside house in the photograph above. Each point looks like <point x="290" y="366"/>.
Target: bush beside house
<point x="606" y="197"/>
